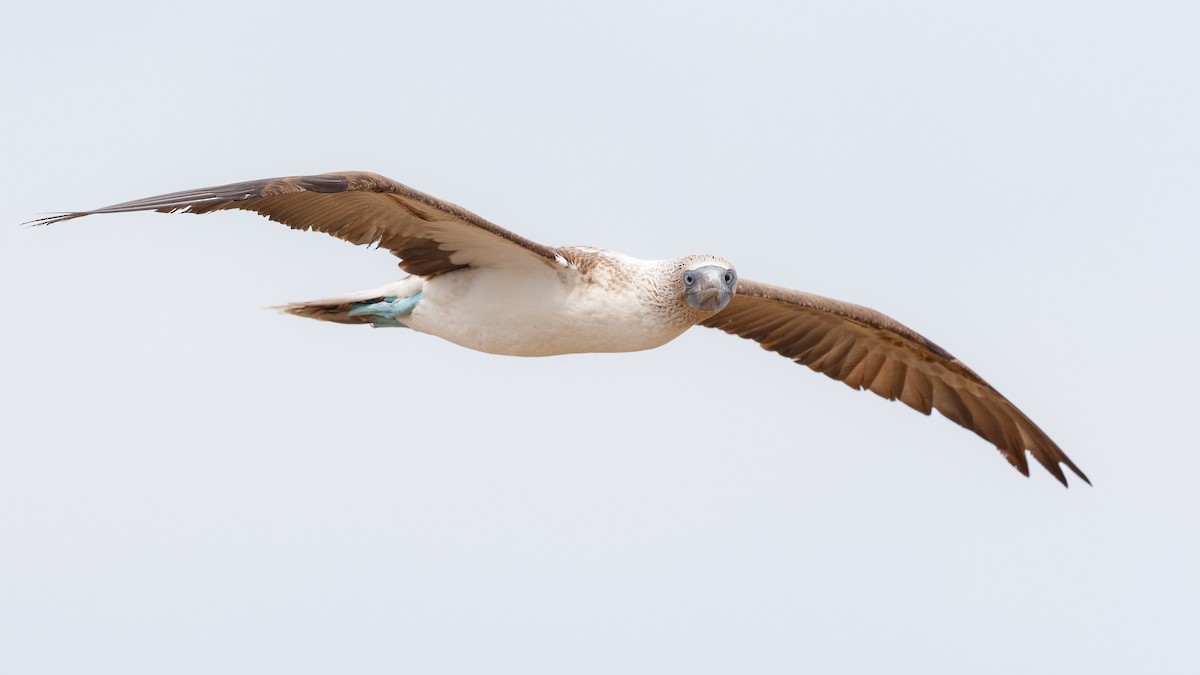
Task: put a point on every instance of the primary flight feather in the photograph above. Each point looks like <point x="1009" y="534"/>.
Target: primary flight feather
<point x="483" y="287"/>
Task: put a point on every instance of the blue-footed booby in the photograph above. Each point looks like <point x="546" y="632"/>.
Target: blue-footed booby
<point x="483" y="287"/>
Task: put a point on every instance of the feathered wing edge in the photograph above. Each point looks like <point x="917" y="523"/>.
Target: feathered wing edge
<point x="430" y="236"/>
<point x="868" y="350"/>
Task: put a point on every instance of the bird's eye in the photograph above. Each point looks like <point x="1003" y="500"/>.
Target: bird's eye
<point x="729" y="277"/>
<point x="689" y="279"/>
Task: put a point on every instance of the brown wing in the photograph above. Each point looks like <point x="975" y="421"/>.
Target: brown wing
<point x="868" y="350"/>
<point x="429" y="235"/>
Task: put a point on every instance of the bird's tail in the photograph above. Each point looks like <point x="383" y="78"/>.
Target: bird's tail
<point x="386" y="306"/>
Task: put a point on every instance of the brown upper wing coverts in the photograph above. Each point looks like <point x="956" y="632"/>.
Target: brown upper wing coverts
<point x="868" y="350"/>
<point x="429" y="235"/>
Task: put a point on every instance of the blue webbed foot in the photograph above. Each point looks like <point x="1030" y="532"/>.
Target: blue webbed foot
<point x="385" y="313"/>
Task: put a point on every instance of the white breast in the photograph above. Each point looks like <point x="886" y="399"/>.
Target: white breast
<point x="538" y="313"/>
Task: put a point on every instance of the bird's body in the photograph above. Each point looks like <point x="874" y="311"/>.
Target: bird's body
<point x="590" y="301"/>
<point x="483" y="287"/>
<point x="548" y="311"/>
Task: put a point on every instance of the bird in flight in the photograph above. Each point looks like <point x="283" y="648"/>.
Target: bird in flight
<point x="483" y="287"/>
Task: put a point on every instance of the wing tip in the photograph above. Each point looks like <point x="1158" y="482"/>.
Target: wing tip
<point x="56" y="218"/>
<point x="1053" y="466"/>
<point x="1076" y="470"/>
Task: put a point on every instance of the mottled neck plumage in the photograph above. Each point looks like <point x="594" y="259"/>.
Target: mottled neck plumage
<point x="657" y="284"/>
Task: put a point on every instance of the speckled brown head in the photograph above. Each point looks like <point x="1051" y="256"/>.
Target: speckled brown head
<point x="707" y="283"/>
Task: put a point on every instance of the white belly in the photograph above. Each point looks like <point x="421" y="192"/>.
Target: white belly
<point x="535" y="314"/>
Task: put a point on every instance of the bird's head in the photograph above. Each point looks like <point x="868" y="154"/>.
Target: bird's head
<point x="707" y="282"/>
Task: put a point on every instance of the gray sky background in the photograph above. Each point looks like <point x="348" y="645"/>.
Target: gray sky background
<point x="191" y="484"/>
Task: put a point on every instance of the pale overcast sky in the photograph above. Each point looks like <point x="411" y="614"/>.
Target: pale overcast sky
<point x="191" y="484"/>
